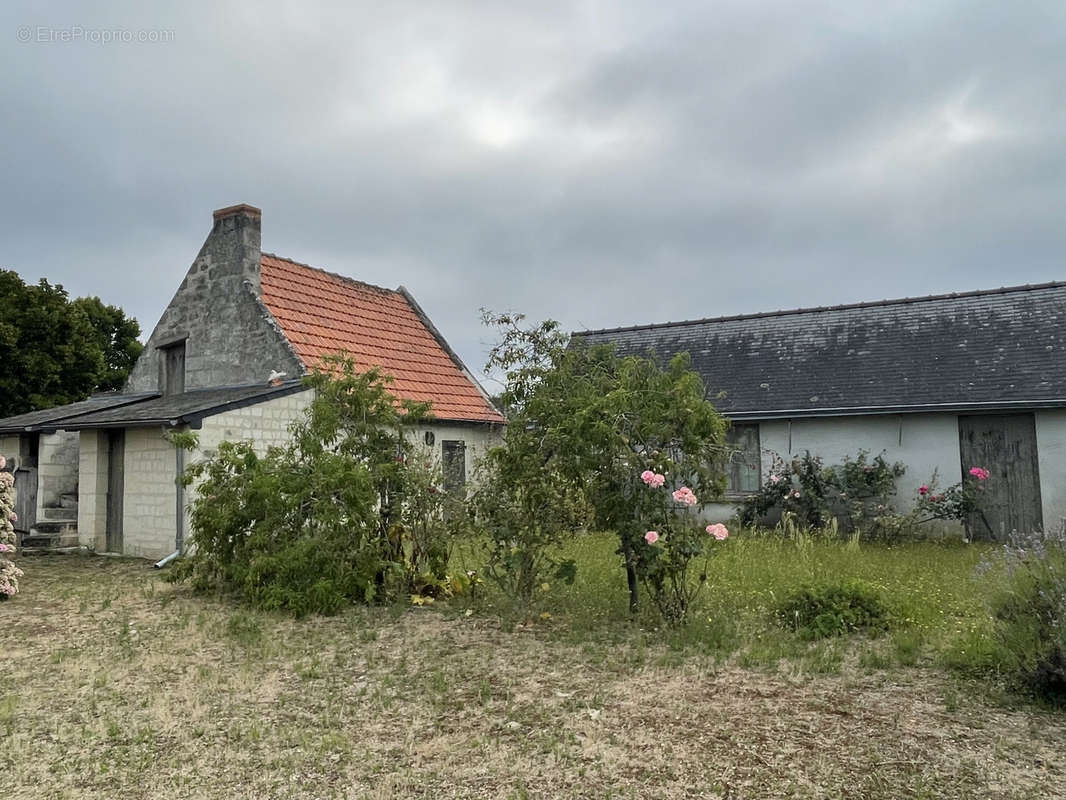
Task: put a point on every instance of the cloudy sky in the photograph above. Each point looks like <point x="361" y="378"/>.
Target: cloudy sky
<point x="599" y="163"/>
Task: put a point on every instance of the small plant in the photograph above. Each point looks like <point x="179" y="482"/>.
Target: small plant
<point x="677" y="543"/>
<point x="9" y="573"/>
<point x="1030" y="613"/>
<point x="957" y="502"/>
<point x="834" y="609"/>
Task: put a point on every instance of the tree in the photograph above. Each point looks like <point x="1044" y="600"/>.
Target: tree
<point x="584" y="417"/>
<point x="55" y="351"/>
<point x="117" y="336"/>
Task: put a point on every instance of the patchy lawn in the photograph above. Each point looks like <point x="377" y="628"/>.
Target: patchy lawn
<point x="117" y="684"/>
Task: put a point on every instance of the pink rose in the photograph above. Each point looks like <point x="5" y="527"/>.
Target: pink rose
<point x="980" y="473"/>
<point x="775" y="478"/>
<point x="651" y="537"/>
<point x="685" y="496"/>
<point x="647" y="476"/>
<point x="718" y="531"/>
<point x="923" y="490"/>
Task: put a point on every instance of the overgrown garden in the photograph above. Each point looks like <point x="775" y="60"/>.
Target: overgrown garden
<point x="350" y="511"/>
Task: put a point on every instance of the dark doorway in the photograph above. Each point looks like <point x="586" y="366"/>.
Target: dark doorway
<point x="1005" y="445"/>
<point x="25" y="475"/>
<point x="453" y="455"/>
<point x="116" y="456"/>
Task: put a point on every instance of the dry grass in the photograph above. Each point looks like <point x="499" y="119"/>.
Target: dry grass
<point x="119" y="685"/>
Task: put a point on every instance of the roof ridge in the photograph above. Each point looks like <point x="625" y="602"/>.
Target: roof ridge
<point x="346" y="278"/>
<point x="1028" y="287"/>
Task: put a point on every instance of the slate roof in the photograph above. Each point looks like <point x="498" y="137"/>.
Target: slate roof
<point x="994" y="349"/>
<point x="177" y="409"/>
<point x="34" y="420"/>
<point x="321" y="313"/>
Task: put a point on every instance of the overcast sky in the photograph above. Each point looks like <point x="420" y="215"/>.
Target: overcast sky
<point x="603" y="164"/>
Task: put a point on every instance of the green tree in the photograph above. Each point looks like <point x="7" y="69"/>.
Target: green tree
<point x="117" y="336"/>
<point x="54" y="350"/>
<point x="587" y="420"/>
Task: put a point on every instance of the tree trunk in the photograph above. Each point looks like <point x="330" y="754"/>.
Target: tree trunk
<point x="631" y="579"/>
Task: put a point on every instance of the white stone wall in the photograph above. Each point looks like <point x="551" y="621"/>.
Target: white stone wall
<point x="1051" y="449"/>
<point x="149" y="505"/>
<point x="264" y="424"/>
<point x="478" y="439"/>
<point x="92" y="490"/>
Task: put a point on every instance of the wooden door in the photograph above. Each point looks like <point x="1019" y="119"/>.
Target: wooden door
<point x="1005" y="445"/>
<point x="453" y="456"/>
<point x="25" y="498"/>
<point x="116" y="455"/>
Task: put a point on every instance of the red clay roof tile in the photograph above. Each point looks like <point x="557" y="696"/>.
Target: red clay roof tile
<point x="321" y="313"/>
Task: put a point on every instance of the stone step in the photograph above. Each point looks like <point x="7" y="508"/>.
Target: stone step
<point x="55" y="526"/>
<point x="61" y="514"/>
<point x="46" y="542"/>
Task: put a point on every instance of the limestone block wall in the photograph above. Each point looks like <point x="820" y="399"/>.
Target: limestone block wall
<point x="149" y="512"/>
<point x="92" y="490"/>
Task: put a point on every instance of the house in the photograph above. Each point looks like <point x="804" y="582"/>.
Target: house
<point x="941" y="383"/>
<point x="239" y="318"/>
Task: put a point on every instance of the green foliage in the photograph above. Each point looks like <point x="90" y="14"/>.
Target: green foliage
<point x="54" y="350"/>
<point x="854" y="495"/>
<point x="345" y="512"/>
<point x="1030" y="612"/>
<point x="834" y="608"/>
<point x="116" y="336"/>
<point x="584" y="424"/>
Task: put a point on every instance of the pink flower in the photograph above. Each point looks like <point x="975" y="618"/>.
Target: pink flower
<point x="3" y="462"/>
<point x="775" y="478"/>
<point x="651" y="537"/>
<point x="647" y="476"/>
<point x="652" y="479"/>
<point x="980" y="473"/>
<point x="685" y="496"/>
<point x="5" y="548"/>
<point x="923" y="490"/>
<point x="796" y="493"/>
<point x="718" y="531"/>
<point x="660" y="479"/>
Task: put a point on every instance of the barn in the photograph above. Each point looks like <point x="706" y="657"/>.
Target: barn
<point x="941" y="383"/>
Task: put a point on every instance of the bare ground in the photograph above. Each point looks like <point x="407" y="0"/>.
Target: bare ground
<point x="118" y="685"/>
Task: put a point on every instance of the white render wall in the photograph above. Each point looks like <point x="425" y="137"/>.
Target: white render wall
<point x="1051" y="450"/>
<point x="478" y="438"/>
<point x="923" y="442"/>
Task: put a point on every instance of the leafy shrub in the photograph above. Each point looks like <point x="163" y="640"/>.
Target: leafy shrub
<point x="957" y="502"/>
<point x="854" y="494"/>
<point x="834" y="609"/>
<point x="347" y="511"/>
<point x="1030" y="613"/>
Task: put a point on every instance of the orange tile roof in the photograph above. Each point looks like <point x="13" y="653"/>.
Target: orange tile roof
<point x="321" y="313"/>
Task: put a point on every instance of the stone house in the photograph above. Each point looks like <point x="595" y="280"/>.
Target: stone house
<point x="105" y="471"/>
<point x="940" y="383"/>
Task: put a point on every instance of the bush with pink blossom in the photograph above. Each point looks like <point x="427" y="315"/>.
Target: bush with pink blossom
<point x="667" y="561"/>
<point x="9" y="573"/>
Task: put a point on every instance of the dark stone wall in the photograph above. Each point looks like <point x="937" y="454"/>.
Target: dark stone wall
<point x="230" y="336"/>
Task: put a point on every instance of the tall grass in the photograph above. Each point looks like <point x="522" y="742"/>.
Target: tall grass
<point x="931" y="589"/>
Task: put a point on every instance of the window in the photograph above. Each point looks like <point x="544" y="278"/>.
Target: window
<point x="743" y="468"/>
<point x="172" y="368"/>
<point x="453" y="454"/>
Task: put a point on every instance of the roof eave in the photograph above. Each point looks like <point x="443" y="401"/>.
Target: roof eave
<point x="918" y="408"/>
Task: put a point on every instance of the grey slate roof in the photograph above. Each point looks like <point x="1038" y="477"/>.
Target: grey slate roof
<point x="36" y="419"/>
<point x="995" y="349"/>
<point x="153" y="409"/>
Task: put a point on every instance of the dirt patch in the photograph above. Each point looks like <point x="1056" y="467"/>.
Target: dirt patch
<point x="120" y="685"/>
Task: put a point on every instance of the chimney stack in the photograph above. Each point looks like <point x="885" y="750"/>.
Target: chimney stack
<point x="236" y="243"/>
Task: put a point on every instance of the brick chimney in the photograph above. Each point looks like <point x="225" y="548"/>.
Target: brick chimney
<point x="234" y="247"/>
